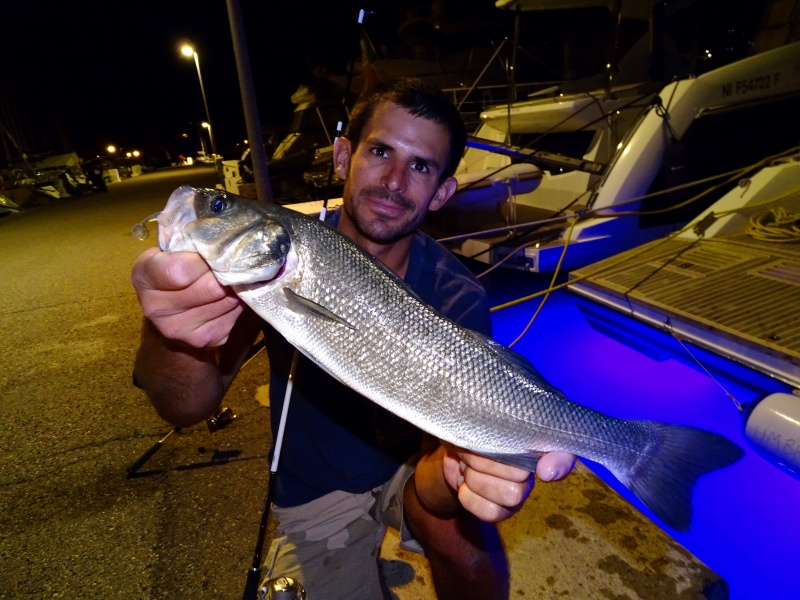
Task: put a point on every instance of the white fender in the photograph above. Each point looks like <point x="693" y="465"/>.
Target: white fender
<point x="772" y="428"/>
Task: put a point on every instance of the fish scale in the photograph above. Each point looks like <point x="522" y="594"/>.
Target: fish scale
<point x="364" y="326"/>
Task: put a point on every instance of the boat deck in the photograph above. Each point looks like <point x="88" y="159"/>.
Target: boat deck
<point x="732" y="294"/>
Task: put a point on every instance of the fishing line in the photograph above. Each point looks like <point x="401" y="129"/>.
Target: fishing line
<point x="736" y="403"/>
<point x="323" y="212"/>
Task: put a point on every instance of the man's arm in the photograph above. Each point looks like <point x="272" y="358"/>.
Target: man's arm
<point x="195" y="336"/>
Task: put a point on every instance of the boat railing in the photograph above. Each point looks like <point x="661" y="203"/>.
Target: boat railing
<point x="471" y="101"/>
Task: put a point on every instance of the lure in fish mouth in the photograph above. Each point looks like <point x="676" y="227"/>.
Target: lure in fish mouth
<point x="240" y="245"/>
<point x="363" y="325"/>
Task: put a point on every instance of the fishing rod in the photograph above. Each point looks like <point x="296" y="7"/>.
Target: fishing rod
<point x="323" y="213"/>
<point x="255" y="567"/>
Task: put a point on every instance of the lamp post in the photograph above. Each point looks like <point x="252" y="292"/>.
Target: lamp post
<point x="189" y="51"/>
<point x="205" y="125"/>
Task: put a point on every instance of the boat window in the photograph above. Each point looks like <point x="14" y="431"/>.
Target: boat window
<point x="717" y="142"/>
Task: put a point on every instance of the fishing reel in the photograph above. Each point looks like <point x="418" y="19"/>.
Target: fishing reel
<point x="220" y="420"/>
<point x="282" y="588"/>
<point x="215" y="422"/>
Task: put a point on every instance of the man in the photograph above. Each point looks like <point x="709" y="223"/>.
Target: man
<point x="348" y="468"/>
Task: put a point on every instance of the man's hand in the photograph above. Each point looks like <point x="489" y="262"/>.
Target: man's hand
<point x="490" y="490"/>
<point x="493" y="491"/>
<point x="179" y="294"/>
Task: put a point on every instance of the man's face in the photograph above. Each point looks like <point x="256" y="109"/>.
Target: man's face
<point x="392" y="179"/>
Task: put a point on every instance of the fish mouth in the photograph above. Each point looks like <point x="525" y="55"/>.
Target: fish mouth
<point x="255" y="255"/>
<point x="260" y="277"/>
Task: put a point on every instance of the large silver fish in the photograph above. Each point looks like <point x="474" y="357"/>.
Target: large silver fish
<point x="361" y="323"/>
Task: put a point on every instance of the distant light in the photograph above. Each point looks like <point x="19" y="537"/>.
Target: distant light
<point x="708" y="53"/>
<point x="187" y="50"/>
<point x="245" y="141"/>
<point x="136" y="153"/>
<point x="128" y="155"/>
<point x="205" y="125"/>
<point x="111" y="149"/>
<point x="184" y="135"/>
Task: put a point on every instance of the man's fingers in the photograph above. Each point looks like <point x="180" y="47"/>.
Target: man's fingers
<point x="167" y="271"/>
<point x="555" y="465"/>
<point x="490" y="499"/>
<point x="492" y="467"/>
<point x="180" y="295"/>
<point x="503" y="492"/>
<point x="214" y="332"/>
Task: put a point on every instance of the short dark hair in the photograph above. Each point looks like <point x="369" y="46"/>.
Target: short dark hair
<point x="421" y="99"/>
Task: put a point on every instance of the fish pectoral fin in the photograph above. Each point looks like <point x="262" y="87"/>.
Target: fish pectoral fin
<point x="304" y="305"/>
<point x="527" y="461"/>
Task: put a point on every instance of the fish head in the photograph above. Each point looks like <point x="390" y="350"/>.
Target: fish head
<point x="241" y="244"/>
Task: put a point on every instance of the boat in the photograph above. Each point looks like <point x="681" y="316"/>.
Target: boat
<point x="614" y="159"/>
<point x="641" y="152"/>
<point x="725" y="282"/>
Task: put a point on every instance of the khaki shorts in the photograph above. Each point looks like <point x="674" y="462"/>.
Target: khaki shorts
<point x="331" y="544"/>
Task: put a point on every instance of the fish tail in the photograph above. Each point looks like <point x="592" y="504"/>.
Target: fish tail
<point x="674" y="458"/>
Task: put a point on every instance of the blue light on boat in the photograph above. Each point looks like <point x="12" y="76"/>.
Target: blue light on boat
<point x="746" y="523"/>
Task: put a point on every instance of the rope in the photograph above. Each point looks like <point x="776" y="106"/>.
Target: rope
<point x="776" y="225"/>
<point x="550" y="288"/>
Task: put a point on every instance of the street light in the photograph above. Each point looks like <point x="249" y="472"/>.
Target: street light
<point x="189" y="51"/>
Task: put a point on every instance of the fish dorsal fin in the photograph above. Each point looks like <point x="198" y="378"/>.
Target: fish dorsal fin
<point x="303" y="305"/>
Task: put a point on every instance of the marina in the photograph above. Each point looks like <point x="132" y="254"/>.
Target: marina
<point x="659" y="198"/>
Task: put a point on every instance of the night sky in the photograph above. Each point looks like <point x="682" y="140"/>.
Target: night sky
<point x="85" y="74"/>
<point x="82" y="75"/>
<point x="77" y="76"/>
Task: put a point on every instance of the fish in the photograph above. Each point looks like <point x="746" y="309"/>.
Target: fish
<point x="364" y="326"/>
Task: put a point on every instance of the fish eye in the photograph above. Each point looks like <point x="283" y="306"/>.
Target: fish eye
<point x="218" y="205"/>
